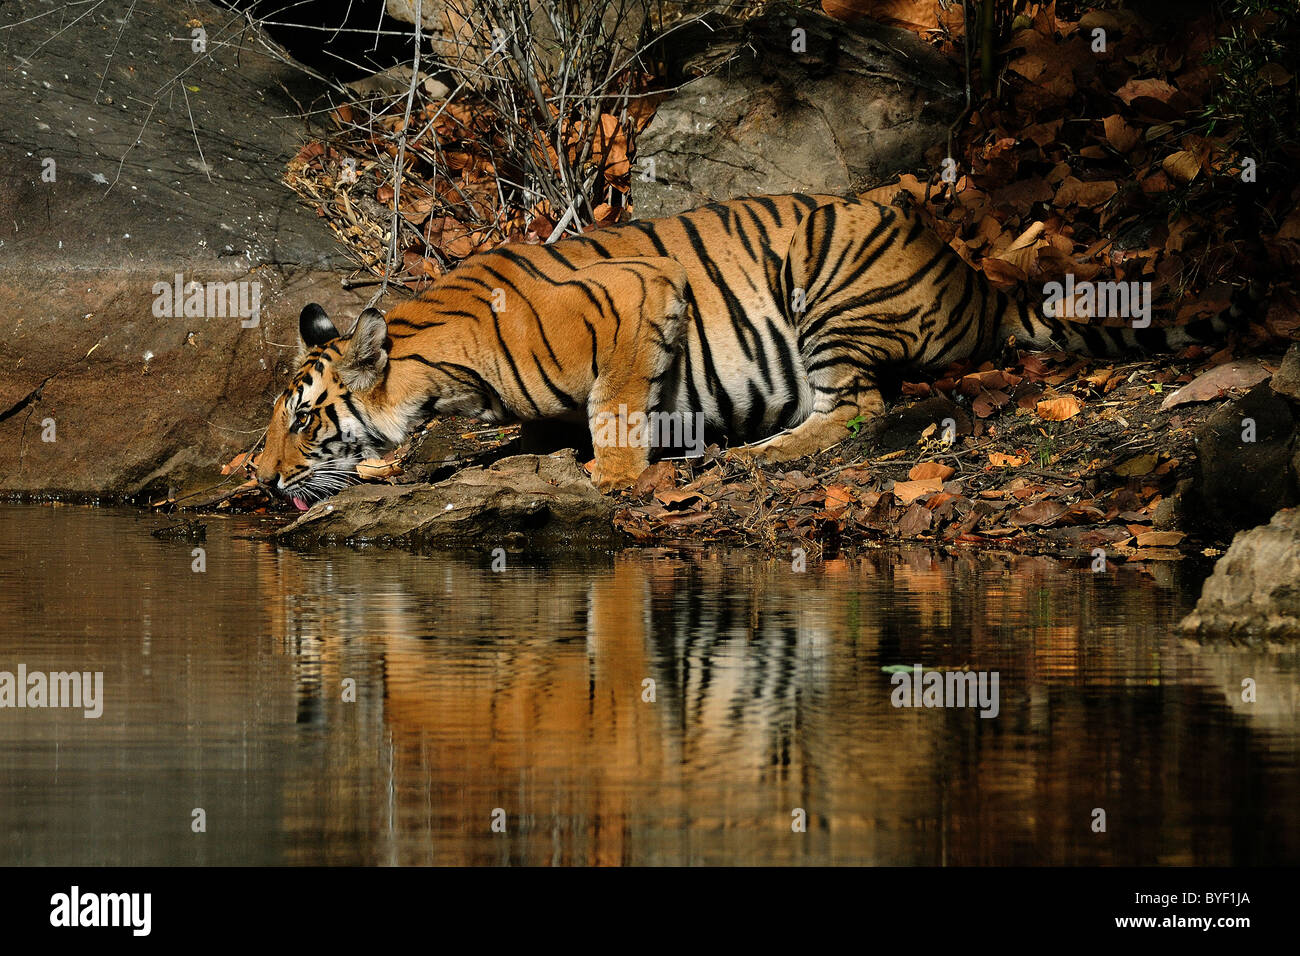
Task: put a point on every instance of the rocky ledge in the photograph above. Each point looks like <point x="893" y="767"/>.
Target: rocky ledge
<point x="1255" y="588"/>
<point x="543" y="501"/>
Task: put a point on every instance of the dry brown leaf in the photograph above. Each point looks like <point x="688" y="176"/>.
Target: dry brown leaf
<point x="1058" y="409"/>
<point x="917" y="519"/>
<point x="986" y="403"/>
<point x="1031" y="66"/>
<point x="377" y="469"/>
<point x="1041" y="513"/>
<point x="1120" y="133"/>
<point x="885" y="194"/>
<point x="916" y="15"/>
<point x="931" y="469"/>
<point x="838" y="497"/>
<point x="656" y="477"/>
<point x="909" y="491"/>
<point x="1002" y="273"/>
<point x="1087" y="194"/>
<point x="675" y="500"/>
<point x="1218" y="381"/>
<point x="1099" y="377"/>
<point x="1139" y="465"/>
<point x="237" y="463"/>
<point x="1160" y="539"/>
<point x="998" y="460"/>
<point x="1182" y="165"/>
<point x="1156" y="89"/>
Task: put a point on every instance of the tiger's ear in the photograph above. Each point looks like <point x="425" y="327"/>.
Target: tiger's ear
<point x="315" y="327"/>
<point x="367" y="355"/>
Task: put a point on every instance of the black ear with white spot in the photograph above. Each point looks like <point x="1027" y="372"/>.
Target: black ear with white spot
<point x="315" y="327"/>
<point x="367" y="353"/>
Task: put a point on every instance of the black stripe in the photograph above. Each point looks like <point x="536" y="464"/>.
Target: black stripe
<point x="648" y="230"/>
<point x="510" y="361"/>
<point x="567" y="400"/>
<point x="754" y="417"/>
<point x="374" y="436"/>
<point x="739" y="323"/>
<point x="591" y="330"/>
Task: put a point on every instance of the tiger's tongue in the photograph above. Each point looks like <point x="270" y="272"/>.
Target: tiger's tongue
<point x="299" y="504"/>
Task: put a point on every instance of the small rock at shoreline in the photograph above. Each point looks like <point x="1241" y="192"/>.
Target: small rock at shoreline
<point x="534" y="501"/>
<point x="1255" y="588"/>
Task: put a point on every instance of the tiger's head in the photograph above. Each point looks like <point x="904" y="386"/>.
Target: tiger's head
<point x="333" y="414"/>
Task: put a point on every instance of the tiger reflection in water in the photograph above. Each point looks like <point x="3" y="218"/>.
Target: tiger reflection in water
<point x="558" y="698"/>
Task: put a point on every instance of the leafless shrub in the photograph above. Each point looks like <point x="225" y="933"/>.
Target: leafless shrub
<point x="517" y="122"/>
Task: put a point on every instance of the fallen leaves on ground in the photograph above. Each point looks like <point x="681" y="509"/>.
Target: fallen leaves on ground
<point x="1103" y="165"/>
<point x="1080" y="477"/>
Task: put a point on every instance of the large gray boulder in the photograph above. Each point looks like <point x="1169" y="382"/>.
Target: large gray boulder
<point x="1255" y="588"/>
<point x="834" y="110"/>
<point x="527" y="501"/>
<point x="1245" y="462"/>
<point x="129" y="157"/>
<point x="1286" y="380"/>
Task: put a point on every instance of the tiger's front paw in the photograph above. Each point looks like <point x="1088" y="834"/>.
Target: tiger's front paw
<point x="611" y="473"/>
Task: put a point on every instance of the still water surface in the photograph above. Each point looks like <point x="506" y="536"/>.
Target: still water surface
<point x="523" y="691"/>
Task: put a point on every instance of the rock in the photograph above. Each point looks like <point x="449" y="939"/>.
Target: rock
<point x="105" y="195"/>
<point x="1255" y="588"/>
<point x="525" y="501"/>
<point x="1239" y="483"/>
<point x="862" y="104"/>
<point x="1172" y="512"/>
<point x="1286" y="380"/>
<point x="453" y="28"/>
<point x="130" y="188"/>
<point x="396" y="82"/>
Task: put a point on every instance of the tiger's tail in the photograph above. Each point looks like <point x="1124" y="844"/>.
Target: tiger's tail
<point x="1032" y="329"/>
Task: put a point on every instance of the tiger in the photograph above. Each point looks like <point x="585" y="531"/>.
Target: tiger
<point x="771" y="319"/>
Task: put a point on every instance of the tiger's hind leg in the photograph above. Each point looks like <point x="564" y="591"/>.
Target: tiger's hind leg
<point x="837" y="400"/>
<point x="854" y="284"/>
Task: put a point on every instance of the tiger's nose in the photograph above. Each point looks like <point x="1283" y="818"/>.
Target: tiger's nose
<point x="266" y="473"/>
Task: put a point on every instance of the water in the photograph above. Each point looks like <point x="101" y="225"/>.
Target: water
<point x="523" y="691"/>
